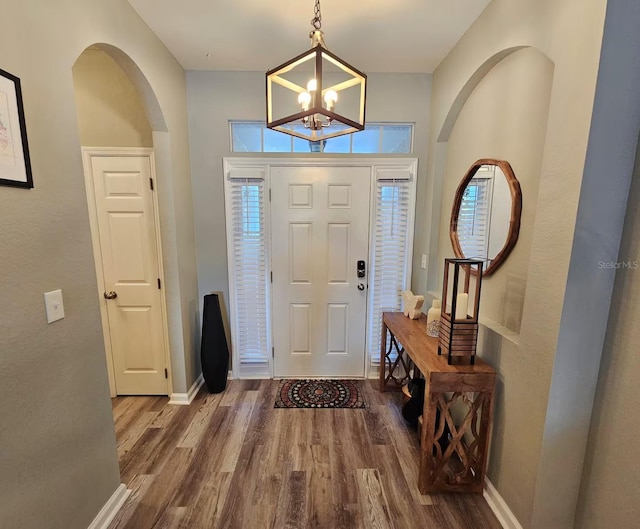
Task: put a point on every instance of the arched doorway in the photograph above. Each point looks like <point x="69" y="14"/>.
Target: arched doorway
<point x="117" y="115"/>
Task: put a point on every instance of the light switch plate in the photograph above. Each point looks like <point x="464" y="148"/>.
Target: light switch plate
<point x="54" y="306"/>
<point x="423" y="263"/>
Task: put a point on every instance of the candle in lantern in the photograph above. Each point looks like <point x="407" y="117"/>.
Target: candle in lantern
<point x="462" y="304"/>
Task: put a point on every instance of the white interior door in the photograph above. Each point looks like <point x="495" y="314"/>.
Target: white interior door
<point x="319" y="230"/>
<point x="129" y="254"/>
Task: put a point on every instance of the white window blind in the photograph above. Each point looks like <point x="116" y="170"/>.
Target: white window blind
<point x="249" y="269"/>
<point x="388" y="275"/>
<point x="473" y="219"/>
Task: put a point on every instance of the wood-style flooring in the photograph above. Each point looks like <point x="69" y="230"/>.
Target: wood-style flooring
<point x="232" y="461"/>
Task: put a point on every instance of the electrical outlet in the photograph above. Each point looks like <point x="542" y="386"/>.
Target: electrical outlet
<point x="423" y="263"/>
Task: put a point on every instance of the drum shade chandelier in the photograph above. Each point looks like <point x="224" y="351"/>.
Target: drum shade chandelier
<point x="316" y="95"/>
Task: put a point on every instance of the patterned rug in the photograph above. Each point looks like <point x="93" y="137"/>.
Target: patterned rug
<point x="319" y="394"/>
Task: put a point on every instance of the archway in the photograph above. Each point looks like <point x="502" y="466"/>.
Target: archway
<point x="441" y="149"/>
<point x="117" y="108"/>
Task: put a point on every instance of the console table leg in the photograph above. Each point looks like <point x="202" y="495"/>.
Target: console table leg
<point x="383" y="356"/>
<point x="429" y="410"/>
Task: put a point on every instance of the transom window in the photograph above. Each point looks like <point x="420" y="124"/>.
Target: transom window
<point x="376" y="138"/>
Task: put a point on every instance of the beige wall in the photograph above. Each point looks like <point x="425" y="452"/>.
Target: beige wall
<point x="611" y="483"/>
<point x="504" y="118"/>
<point x="523" y="466"/>
<point x="110" y="111"/>
<point x="59" y="463"/>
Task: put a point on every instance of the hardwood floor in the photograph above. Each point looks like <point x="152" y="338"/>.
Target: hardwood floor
<point x="232" y="461"/>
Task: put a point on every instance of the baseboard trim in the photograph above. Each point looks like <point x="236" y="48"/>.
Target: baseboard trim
<point x="499" y="507"/>
<point x="184" y="399"/>
<point x="111" y="508"/>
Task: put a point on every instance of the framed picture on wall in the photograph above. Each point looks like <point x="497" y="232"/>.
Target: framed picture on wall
<point x="15" y="166"/>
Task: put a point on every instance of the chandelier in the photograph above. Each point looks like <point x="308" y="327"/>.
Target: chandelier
<point x="316" y="95"/>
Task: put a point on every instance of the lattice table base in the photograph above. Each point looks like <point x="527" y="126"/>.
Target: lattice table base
<point x="457" y="440"/>
<point x="398" y="371"/>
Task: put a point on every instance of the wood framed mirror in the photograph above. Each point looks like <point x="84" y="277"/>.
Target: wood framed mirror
<point x="485" y="218"/>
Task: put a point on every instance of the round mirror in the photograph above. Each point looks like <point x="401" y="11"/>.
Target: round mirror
<point x="485" y="219"/>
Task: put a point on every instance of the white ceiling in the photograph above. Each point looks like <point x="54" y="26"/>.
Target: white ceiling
<point x="256" y="35"/>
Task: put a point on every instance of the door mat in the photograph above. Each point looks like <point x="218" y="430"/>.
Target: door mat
<point x="319" y="394"/>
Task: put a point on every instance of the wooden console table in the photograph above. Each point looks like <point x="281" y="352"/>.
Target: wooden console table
<point x="458" y="396"/>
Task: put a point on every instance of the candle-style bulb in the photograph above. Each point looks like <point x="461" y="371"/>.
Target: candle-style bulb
<point x="330" y="98"/>
<point x="304" y="98"/>
<point x="312" y="85"/>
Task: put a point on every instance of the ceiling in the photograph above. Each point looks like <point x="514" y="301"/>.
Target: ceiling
<point x="256" y="35"/>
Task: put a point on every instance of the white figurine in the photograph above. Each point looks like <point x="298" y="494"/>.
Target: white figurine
<point x="412" y="304"/>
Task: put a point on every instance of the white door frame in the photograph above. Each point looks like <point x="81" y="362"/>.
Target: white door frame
<point x="262" y="165"/>
<point x="87" y="154"/>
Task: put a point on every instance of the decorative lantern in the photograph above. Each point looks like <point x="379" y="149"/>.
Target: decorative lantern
<point x="459" y="330"/>
<point x="316" y="95"/>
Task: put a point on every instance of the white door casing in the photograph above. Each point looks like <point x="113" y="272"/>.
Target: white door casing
<point x="123" y="211"/>
<point x="319" y="230"/>
<point x="257" y="360"/>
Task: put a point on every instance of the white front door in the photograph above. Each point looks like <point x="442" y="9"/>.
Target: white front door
<point x="319" y="232"/>
<point x="129" y="254"/>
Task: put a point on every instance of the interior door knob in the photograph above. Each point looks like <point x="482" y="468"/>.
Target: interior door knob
<point x="360" y="286"/>
<point x="110" y="295"/>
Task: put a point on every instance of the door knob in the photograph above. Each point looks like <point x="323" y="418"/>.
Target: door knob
<point x="110" y="295"/>
<point x="360" y="286"/>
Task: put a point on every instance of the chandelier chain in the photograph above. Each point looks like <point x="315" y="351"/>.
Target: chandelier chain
<point x="316" y="21"/>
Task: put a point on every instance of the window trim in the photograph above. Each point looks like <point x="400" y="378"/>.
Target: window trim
<point x="381" y="168"/>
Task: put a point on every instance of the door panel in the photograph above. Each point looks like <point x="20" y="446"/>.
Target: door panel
<point x="300" y="328"/>
<point x="337" y="331"/>
<point x="320" y="229"/>
<point x="300" y="252"/>
<point x="338" y="258"/>
<point x="127" y="241"/>
<point x="127" y="232"/>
